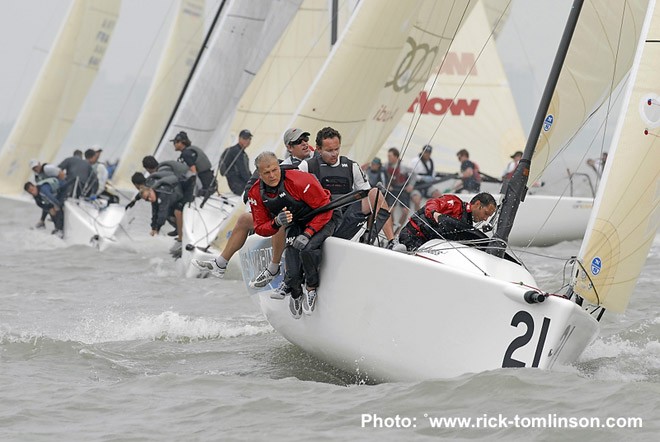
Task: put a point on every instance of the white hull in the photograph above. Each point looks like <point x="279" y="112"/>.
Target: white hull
<point x="392" y="316"/>
<point x="201" y="226"/>
<point x="91" y="223"/>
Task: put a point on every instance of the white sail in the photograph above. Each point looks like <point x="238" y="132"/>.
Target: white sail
<point x="177" y="59"/>
<point x="281" y="84"/>
<point x="626" y="213"/>
<point x="465" y="104"/>
<point x="607" y="36"/>
<point x="59" y="91"/>
<point x="240" y="42"/>
<point x="344" y="92"/>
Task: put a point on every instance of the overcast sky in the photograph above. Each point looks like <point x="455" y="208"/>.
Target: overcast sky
<point x="28" y="27"/>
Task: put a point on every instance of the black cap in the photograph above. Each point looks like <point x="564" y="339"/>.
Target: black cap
<point x="516" y="153"/>
<point x="181" y="136"/>
<point x="427" y="148"/>
<point x="89" y="153"/>
<point x="245" y="133"/>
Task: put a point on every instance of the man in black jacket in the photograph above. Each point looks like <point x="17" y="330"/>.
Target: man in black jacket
<point x="235" y="164"/>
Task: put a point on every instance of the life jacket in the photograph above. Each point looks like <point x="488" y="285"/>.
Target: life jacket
<point x="52" y="181"/>
<point x="179" y="169"/>
<point x="202" y="163"/>
<point x="276" y="199"/>
<point x="162" y="179"/>
<point x="428" y="170"/>
<point x="338" y="179"/>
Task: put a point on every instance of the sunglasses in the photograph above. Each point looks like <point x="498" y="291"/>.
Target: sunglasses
<point x="299" y="141"/>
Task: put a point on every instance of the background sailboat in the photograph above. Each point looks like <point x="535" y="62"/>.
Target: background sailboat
<point x="57" y="95"/>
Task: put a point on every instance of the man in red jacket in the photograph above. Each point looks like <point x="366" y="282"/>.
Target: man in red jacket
<point x="447" y="217"/>
<point x="284" y="198"/>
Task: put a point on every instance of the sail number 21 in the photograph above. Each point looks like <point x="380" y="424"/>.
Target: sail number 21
<point x="524" y="317"/>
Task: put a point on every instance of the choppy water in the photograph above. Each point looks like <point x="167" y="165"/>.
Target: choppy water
<point x="117" y="346"/>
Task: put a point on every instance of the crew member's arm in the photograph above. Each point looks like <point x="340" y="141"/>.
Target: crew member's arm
<point x="309" y="190"/>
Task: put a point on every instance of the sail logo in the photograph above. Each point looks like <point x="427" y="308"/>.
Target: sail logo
<point x="547" y="124"/>
<point x="440" y="106"/>
<point x="416" y="62"/>
<point x="596" y="265"/>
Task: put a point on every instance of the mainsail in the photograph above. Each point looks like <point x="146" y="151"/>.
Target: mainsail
<point x="607" y="37"/>
<point x="59" y="91"/>
<point x="281" y="84"/>
<point x="178" y="56"/>
<point x="240" y="42"/>
<point x="626" y="213"/>
<point x="465" y="104"/>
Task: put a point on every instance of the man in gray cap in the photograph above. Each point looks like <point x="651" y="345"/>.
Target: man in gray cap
<point x="235" y="164"/>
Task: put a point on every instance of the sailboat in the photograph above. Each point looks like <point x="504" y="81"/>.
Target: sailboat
<point x="243" y="32"/>
<point x="462" y="309"/>
<point x="51" y="108"/>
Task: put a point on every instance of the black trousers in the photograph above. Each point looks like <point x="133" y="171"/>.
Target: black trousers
<point x="302" y="266"/>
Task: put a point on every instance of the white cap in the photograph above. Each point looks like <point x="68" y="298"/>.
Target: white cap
<point x="34" y="163"/>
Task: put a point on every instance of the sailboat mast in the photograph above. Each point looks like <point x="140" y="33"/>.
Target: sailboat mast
<point x="192" y="72"/>
<point x="516" y="189"/>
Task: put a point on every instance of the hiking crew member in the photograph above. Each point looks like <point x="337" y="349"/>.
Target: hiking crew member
<point x="48" y="195"/>
<point x="198" y="163"/>
<point x="470" y="177"/>
<point x="280" y="198"/>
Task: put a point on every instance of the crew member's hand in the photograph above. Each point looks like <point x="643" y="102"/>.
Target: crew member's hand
<point x="436" y="216"/>
<point x="153" y="232"/>
<point x="284" y="218"/>
<point x="301" y="241"/>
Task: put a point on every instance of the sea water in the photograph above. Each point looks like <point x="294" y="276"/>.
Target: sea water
<point x="118" y="346"/>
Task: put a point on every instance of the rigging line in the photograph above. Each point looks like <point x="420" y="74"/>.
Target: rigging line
<point x="609" y="107"/>
<point x="483" y="47"/>
<point x="609" y="98"/>
<point x="313" y="46"/>
<point x="409" y="133"/>
<point x="134" y="83"/>
<point x="450" y="244"/>
<point x="415" y="119"/>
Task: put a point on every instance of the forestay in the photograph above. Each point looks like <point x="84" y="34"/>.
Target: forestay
<point x="626" y="216"/>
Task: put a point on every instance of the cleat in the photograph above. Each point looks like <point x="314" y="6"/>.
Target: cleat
<point x="209" y="266"/>
<point x="263" y="278"/>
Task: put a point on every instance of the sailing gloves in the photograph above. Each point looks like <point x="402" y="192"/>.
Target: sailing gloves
<point x="301" y="241"/>
<point x="283" y="218"/>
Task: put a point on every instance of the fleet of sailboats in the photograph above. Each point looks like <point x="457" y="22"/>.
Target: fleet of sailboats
<point x="262" y="66"/>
